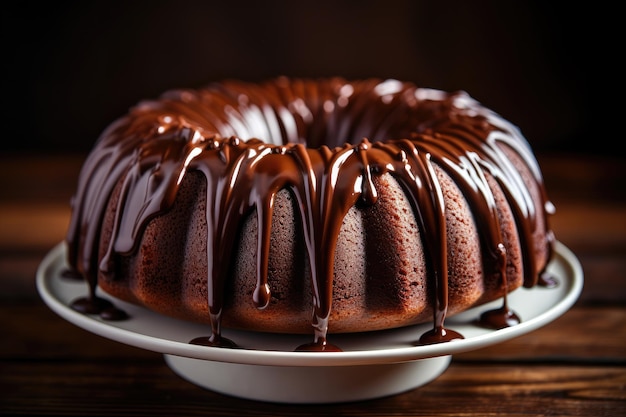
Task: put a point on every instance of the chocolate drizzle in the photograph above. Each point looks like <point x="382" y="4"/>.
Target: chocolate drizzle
<point x="324" y="141"/>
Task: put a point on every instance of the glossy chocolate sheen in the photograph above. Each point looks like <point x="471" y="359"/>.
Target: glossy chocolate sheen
<point x="325" y="141"/>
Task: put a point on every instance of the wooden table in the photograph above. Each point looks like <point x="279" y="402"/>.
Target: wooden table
<point x="574" y="366"/>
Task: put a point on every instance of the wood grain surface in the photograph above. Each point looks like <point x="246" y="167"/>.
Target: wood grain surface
<point x="574" y="366"/>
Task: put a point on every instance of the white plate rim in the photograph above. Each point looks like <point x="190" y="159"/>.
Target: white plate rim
<point x="566" y="260"/>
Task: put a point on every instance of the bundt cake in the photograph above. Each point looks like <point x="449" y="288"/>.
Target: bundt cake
<point x="310" y="206"/>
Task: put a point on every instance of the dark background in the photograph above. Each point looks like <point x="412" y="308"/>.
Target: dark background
<point x="72" y="67"/>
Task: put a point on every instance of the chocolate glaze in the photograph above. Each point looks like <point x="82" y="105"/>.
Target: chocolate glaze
<point x="100" y="306"/>
<point x="215" y="340"/>
<point x="324" y="141"/>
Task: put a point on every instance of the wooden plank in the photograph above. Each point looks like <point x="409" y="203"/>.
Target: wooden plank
<point x="29" y="226"/>
<point x="142" y="388"/>
<point x="38" y="178"/>
<point x="574" y="366"/>
<point x="584" y="178"/>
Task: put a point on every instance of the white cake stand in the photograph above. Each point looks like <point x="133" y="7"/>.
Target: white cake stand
<point x="266" y="368"/>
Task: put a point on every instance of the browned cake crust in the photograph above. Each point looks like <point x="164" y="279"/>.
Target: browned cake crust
<point x="384" y="262"/>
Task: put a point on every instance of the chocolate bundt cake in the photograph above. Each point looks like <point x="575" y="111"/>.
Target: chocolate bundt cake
<point x="310" y="206"/>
